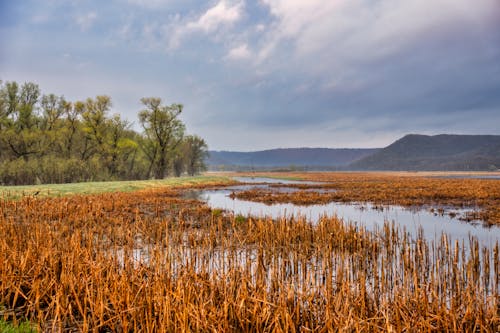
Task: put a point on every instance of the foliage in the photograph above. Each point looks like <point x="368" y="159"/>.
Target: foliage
<point x="47" y="139"/>
<point x="195" y="152"/>
<point x="163" y="133"/>
<point x="24" y="327"/>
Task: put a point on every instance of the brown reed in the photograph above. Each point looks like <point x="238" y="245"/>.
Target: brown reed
<point x="405" y="189"/>
<point x="152" y="261"/>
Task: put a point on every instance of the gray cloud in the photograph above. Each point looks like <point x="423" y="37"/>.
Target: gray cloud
<point x="274" y="72"/>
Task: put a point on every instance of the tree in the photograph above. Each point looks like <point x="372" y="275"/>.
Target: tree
<point x="53" y="108"/>
<point x="26" y="117"/>
<point x="119" y="144"/>
<point x="45" y="138"/>
<point x="94" y="118"/>
<point x="163" y="132"/>
<point x="71" y="126"/>
<point x="195" y="152"/>
<point x="3" y="103"/>
<point x="12" y="97"/>
<point x="22" y="136"/>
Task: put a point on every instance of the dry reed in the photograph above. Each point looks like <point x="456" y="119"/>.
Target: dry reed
<point x="152" y="261"/>
<point x="388" y="188"/>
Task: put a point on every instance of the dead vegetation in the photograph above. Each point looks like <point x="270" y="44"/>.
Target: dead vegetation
<point x="389" y="189"/>
<point x="152" y="261"/>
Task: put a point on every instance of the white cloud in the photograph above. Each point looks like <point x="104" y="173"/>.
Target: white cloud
<point x="240" y="52"/>
<point x="221" y="14"/>
<point x="332" y="39"/>
<point x="85" y="21"/>
<point x="260" y="27"/>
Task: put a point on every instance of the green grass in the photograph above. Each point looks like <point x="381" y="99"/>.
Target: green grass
<point x="24" y="327"/>
<point x="55" y="190"/>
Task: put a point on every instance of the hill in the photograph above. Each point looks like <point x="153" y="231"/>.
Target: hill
<point x="438" y="152"/>
<point x="310" y="158"/>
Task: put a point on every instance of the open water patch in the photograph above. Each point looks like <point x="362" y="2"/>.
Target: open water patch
<point x="373" y="217"/>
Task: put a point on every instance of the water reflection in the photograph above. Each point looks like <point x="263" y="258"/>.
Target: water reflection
<point x="368" y="215"/>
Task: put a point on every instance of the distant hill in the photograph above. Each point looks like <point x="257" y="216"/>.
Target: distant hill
<point x="310" y="158"/>
<point x="438" y="152"/>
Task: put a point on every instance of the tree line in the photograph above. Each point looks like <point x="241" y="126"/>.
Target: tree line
<point x="47" y="139"/>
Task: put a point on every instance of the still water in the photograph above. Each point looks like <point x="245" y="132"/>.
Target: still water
<point x="367" y="215"/>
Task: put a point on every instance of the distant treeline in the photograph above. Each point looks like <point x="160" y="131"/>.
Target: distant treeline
<point x="47" y="139"/>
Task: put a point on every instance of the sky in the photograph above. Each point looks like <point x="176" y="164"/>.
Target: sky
<point x="265" y="74"/>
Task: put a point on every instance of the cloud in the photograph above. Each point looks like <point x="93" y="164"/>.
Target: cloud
<point x="344" y="69"/>
<point x="343" y="33"/>
<point x="85" y="21"/>
<point x="240" y="52"/>
<point x="223" y="14"/>
<point x="220" y="14"/>
<point x="152" y="4"/>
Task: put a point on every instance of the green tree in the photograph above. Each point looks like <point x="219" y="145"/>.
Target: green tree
<point x="26" y="117"/>
<point x="3" y="105"/>
<point x="3" y="119"/>
<point x="22" y="136"/>
<point x="195" y="153"/>
<point x="53" y="108"/>
<point x="45" y="138"/>
<point x="163" y="132"/>
<point x="120" y="146"/>
<point x="94" y="119"/>
<point x="12" y="97"/>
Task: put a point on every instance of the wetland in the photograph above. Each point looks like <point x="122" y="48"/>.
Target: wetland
<point x="316" y="251"/>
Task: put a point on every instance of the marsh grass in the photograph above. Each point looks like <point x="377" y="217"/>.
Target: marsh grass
<point x="71" y="263"/>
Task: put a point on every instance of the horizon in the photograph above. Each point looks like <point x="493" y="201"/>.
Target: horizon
<point x="272" y="73"/>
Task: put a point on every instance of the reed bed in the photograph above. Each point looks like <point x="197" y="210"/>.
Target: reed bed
<point x="153" y="261"/>
<point x="483" y="195"/>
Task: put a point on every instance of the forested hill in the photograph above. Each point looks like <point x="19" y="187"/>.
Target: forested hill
<point x="316" y="158"/>
<point x="439" y="152"/>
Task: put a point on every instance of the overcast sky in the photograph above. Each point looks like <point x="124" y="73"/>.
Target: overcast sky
<point x="270" y="73"/>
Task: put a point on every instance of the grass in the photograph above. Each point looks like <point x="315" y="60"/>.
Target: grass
<point x="57" y="190"/>
<point x="24" y="327"/>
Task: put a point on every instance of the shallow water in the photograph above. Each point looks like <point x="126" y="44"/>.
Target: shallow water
<point x="368" y="215"/>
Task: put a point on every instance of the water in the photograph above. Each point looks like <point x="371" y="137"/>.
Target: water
<point x="309" y="273"/>
<point x="367" y="215"/>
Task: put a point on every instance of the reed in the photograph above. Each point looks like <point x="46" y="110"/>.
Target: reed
<point x="154" y="261"/>
<point x="482" y="195"/>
